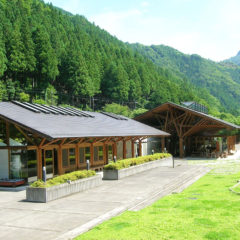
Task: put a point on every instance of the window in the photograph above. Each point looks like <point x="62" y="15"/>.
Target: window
<point x="72" y="157"/>
<point x="65" y="157"/>
<point x="98" y="153"/>
<point x="95" y="154"/>
<point x="32" y="163"/>
<point x="68" y="157"/>
<point x="87" y="153"/>
<point x="84" y="154"/>
<point x="81" y="155"/>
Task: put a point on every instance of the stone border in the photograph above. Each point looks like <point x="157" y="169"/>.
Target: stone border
<point x="122" y="173"/>
<point x="55" y="192"/>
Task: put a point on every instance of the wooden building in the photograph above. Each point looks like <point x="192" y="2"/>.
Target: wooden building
<point x="193" y="131"/>
<point x="62" y="139"/>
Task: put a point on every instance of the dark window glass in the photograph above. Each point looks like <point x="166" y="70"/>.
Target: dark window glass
<point x="32" y="163"/>
<point x="72" y="157"/>
<point x="49" y="161"/>
<point x="65" y="157"/>
<point x="81" y="155"/>
<point x="100" y="153"/>
<point x="3" y="138"/>
<point x="95" y="154"/>
<point x="87" y="153"/>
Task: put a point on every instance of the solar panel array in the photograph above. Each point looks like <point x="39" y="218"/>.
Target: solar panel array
<point x="115" y="116"/>
<point x="42" y="108"/>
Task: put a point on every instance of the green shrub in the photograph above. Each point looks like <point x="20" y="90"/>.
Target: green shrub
<point x="73" y="176"/>
<point x="126" y="163"/>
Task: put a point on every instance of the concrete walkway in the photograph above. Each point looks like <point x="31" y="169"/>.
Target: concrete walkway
<point x="73" y="215"/>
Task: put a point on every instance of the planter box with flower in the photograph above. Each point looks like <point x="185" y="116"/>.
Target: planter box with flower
<point x="62" y="186"/>
<point x="127" y="167"/>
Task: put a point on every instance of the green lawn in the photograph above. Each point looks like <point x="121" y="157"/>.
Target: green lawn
<point x="205" y="210"/>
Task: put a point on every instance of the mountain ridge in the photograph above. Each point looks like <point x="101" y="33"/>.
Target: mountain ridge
<point x="45" y="49"/>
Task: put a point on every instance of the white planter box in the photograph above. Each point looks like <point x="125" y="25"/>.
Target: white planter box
<point x="62" y="190"/>
<point x="122" y="173"/>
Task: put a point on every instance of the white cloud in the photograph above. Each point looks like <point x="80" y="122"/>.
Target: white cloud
<point x="209" y="29"/>
<point x="145" y="4"/>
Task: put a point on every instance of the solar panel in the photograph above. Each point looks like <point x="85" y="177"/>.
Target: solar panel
<point x="46" y="108"/>
<point x="36" y="107"/>
<point x="70" y="111"/>
<point x="26" y="106"/>
<point x="56" y="110"/>
<point x="115" y="116"/>
<point x="63" y="110"/>
<point x="80" y="112"/>
<point x="42" y="108"/>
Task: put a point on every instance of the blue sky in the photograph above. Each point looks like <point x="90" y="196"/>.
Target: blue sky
<point x="209" y="28"/>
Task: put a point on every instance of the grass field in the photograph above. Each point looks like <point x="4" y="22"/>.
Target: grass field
<point x="205" y="210"/>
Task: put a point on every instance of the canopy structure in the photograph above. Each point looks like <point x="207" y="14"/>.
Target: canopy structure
<point x="64" y="138"/>
<point x="183" y="123"/>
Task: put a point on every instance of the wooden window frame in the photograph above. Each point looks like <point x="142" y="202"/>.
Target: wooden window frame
<point x="69" y="162"/>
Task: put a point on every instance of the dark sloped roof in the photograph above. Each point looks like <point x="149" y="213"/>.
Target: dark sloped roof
<point x="67" y="126"/>
<point x="201" y="114"/>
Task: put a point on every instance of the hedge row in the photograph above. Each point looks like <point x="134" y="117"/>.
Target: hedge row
<point x="73" y="176"/>
<point x="125" y="163"/>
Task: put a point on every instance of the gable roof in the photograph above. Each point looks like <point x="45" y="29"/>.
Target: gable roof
<point x="164" y="106"/>
<point x="53" y="126"/>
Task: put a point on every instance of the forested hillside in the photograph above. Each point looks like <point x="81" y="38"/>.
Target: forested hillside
<point x="47" y="54"/>
<point x="235" y="59"/>
<point x="222" y="80"/>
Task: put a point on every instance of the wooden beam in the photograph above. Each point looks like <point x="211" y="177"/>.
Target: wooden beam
<point x="124" y="150"/>
<point x="24" y="134"/>
<point x="162" y="143"/>
<point x="77" y="163"/>
<point x="166" y="121"/>
<point x="42" y="142"/>
<point x="63" y="141"/>
<point x="194" y="127"/>
<point x="81" y="141"/>
<point x="72" y="140"/>
<point x="91" y="155"/>
<point x="181" y="149"/>
<point x="39" y="163"/>
<point x="140" y="148"/>
<point x="51" y="142"/>
<point x="60" y="168"/>
<point x="174" y="122"/>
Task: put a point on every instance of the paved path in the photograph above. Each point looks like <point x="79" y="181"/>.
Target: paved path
<point x="70" y="216"/>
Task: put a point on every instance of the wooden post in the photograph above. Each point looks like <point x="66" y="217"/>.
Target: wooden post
<point x="133" y="152"/>
<point x="39" y="163"/>
<point x="104" y="154"/>
<point x="77" y="156"/>
<point x="91" y="155"/>
<point x="140" y="148"/>
<point x="181" y="150"/>
<point x="124" y="149"/>
<point x="60" y="168"/>
<point x="163" y="143"/>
